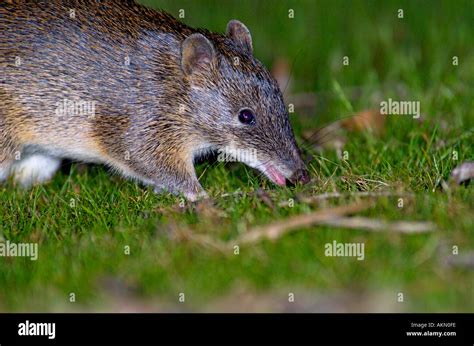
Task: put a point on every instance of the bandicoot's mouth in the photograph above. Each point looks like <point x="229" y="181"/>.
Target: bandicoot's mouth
<point x="275" y="175"/>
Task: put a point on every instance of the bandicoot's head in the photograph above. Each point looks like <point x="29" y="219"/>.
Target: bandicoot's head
<point x="237" y="105"/>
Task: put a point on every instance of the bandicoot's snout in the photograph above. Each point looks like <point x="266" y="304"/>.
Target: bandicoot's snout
<point x="300" y="176"/>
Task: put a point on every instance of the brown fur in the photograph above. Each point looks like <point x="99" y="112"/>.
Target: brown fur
<point x="153" y="116"/>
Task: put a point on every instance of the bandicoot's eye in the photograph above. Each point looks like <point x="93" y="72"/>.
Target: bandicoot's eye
<point x="246" y="117"/>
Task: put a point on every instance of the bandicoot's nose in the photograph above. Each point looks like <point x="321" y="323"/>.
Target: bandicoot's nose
<point x="300" y="176"/>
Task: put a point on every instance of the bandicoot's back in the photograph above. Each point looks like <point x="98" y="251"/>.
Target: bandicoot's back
<point x="75" y="58"/>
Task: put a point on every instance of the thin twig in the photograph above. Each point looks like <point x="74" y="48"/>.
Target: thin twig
<point x="464" y="261"/>
<point x="277" y="229"/>
<point x="376" y="225"/>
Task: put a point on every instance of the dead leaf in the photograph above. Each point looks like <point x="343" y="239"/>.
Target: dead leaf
<point x="367" y="120"/>
<point x="266" y="198"/>
<point x="207" y="209"/>
<point x="463" y="173"/>
<point x="281" y="71"/>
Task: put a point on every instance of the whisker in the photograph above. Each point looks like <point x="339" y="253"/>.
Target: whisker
<point x="291" y="69"/>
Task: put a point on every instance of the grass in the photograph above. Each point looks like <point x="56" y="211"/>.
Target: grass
<point x="85" y="218"/>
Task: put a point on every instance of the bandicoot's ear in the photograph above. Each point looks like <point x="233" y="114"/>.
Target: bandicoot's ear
<point x="197" y="53"/>
<point x="239" y="33"/>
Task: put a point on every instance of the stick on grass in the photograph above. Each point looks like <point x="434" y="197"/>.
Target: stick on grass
<point x="277" y="229"/>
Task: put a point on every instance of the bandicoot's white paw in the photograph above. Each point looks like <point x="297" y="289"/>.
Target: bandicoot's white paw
<point x="4" y="172"/>
<point x="193" y="196"/>
<point x="34" y="169"/>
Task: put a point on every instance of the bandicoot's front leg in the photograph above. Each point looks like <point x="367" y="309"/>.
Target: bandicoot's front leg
<point x="190" y="189"/>
<point x="179" y="178"/>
